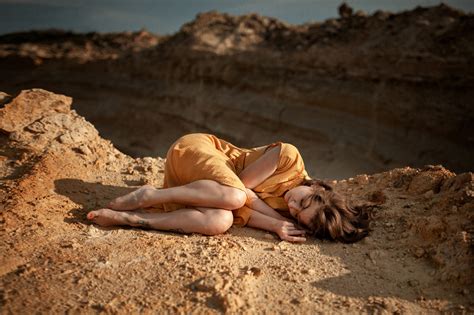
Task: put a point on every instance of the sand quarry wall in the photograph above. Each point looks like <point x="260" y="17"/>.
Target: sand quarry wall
<point x="357" y="94"/>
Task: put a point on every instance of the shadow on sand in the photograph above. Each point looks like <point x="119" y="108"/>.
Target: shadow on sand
<point x="90" y="196"/>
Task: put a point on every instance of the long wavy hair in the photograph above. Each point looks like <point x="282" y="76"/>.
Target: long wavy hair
<point x="337" y="220"/>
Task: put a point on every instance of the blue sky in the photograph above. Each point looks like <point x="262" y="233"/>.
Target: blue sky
<point x="167" y="16"/>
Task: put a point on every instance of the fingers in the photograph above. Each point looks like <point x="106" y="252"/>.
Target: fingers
<point x="291" y="232"/>
<point x="294" y="236"/>
<point x="296" y="239"/>
<point x="296" y="232"/>
<point x="292" y="229"/>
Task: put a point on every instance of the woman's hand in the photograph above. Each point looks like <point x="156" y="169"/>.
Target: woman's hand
<point x="289" y="231"/>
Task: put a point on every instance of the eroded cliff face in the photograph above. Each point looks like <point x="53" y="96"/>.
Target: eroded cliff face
<point x="357" y="94"/>
<point x="55" y="168"/>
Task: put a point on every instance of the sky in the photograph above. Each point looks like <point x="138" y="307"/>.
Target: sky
<point x="167" y="16"/>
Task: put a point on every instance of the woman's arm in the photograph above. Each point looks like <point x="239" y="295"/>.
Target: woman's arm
<point x="257" y="204"/>
<point x="286" y="230"/>
<point x="254" y="174"/>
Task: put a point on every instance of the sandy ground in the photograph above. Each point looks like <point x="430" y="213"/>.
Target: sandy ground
<point x="55" y="168"/>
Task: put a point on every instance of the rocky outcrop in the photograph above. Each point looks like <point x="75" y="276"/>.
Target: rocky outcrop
<point x="42" y="46"/>
<point x="55" y="167"/>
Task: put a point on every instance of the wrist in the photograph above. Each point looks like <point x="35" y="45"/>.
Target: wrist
<point x="275" y="225"/>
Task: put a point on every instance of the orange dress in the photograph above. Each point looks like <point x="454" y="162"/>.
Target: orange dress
<point x="204" y="156"/>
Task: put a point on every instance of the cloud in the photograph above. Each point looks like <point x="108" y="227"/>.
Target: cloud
<point x="49" y="3"/>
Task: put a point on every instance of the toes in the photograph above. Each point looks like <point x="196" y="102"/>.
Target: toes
<point x="91" y="215"/>
<point x="116" y="204"/>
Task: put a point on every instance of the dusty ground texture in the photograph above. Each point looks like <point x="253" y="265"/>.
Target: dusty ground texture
<point x="55" y="167"/>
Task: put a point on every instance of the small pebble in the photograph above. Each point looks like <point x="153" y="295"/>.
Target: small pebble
<point x="428" y="194"/>
<point x="419" y="252"/>
<point x="256" y="271"/>
<point x="309" y="271"/>
<point x="295" y="301"/>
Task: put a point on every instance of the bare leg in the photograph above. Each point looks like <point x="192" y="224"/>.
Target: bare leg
<point x="206" y="221"/>
<point x="201" y="193"/>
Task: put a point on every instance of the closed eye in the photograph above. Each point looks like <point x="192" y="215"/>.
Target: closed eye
<point x="305" y="203"/>
<point x="317" y="198"/>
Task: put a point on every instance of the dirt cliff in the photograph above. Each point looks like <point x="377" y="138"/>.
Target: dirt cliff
<point x="358" y="94"/>
<point x="55" y="167"/>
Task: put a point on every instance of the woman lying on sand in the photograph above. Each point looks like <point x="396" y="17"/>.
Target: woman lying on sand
<point x="210" y="185"/>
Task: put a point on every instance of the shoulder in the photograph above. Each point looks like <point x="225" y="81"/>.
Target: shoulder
<point x="290" y="157"/>
<point x="289" y="151"/>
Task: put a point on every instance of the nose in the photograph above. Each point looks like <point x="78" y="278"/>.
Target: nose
<point x="294" y="205"/>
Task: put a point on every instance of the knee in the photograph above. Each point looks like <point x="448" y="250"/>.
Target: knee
<point x="218" y="221"/>
<point x="235" y="198"/>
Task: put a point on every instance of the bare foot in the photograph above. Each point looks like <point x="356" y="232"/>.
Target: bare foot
<point x="139" y="198"/>
<point x="107" y="217"/>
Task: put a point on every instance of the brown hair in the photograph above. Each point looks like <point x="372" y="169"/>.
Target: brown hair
<point x="337" y="219"/>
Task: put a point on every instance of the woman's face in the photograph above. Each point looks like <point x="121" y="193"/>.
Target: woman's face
<point x="302" y="204"/>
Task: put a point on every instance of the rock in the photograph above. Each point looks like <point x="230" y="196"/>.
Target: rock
<point x="345" y="11"/>
<point x="376" y="254"/>
<point x="256" y="271"/>
<point x="428" y="180"/>
<point x="423" y="22"/>
<point x="362" y="179"/>
<point x="84" y="149"/>
<point x="231" y="302"/>
<point x="295" y="301"/>
<point x="429" y="194"/>
<point x="308" y="271"/>
<point x="381" y="15"/>
<point x="419" y="252"/>
<point x="438" y="260"/>
<point x="30" y="106"/>
<point x="377" y="197"/>
<point x="360" y="13"/>
<point x="211" y="283"/>
<point x="457" y="182"/>
<point x="4" y="98"/>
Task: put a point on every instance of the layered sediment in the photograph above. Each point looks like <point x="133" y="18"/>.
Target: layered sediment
<point x="358" y="94"/>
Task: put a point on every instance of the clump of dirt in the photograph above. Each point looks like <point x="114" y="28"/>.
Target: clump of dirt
<point x="55" y="167"/>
